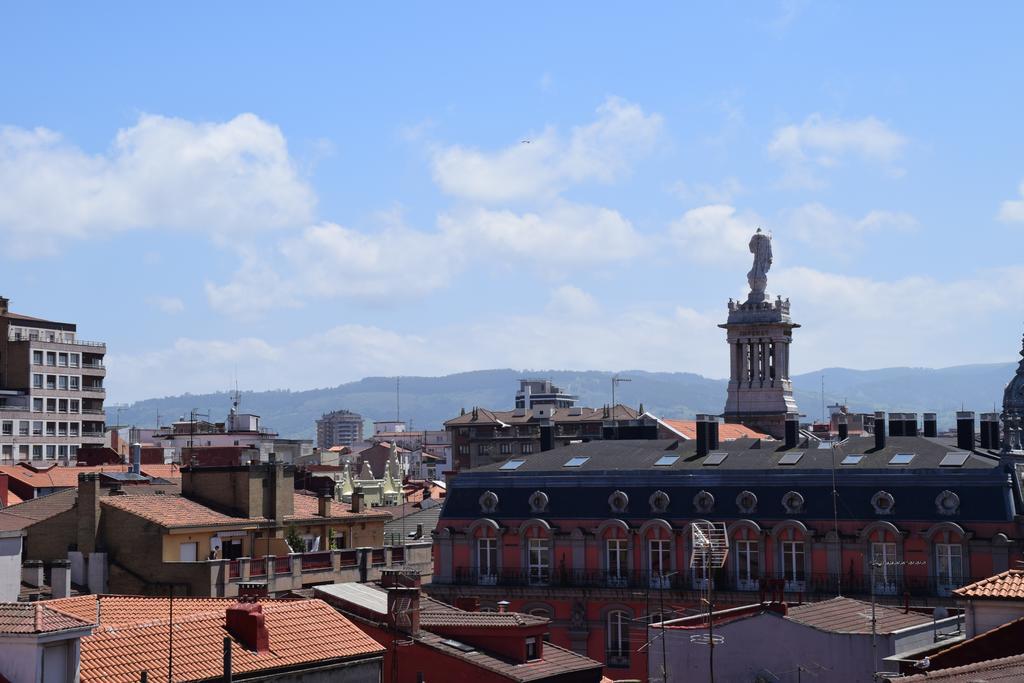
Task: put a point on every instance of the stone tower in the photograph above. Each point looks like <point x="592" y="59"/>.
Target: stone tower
<point x="759" y="332"/>
<point x="1013" y="410"/>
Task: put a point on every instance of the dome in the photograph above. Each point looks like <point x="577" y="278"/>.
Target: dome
<point x="1013" y="395"/>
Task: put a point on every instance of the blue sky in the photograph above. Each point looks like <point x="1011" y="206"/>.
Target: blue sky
<point x="302" y="198"/>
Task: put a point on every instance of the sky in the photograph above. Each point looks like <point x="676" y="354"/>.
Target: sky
<point x="296" y="197"/>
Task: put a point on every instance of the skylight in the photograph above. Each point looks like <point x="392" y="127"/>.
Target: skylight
<point x="901" y="459"/>
<point x="791" y="458"/>
<point x="852" y="460"/>
<point x="666" y="460"/>
<point x="715" y="458"/>
<point x="461" y="647"/>
<point x="512" y="465"/>
<point x="954" y="459"/>
<point x="576" y="462"/>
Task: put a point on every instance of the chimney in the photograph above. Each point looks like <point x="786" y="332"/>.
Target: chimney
<point x="965" y="430"/>
<point x="547" y="436"/>
<point x="792" y="431"/>
<point x="931" y="425"/>
<point x="136" y="467"/>
<point x="468" y="603"/>
<point x="60" y="578"/>
<point x="357" y="500"/>
<point x="246" y="623"/>
<point x="404" y="609"/>
<point x="989" y="430"/>
<point x="502" y="606"/>
<point x="843" y="426"/>
<point x="712" y="432"/>
<point x="909" y="424"/>
<point x="4" y="303"/>
<point x="879" y="430"/>
<point x="323" y="505"/>
<point x="88" y="511"/>
<point x="702" y="434"/>
<point x="896" y="424"/>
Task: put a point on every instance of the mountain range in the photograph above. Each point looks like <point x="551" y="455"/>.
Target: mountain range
<point x="426" y="402"/>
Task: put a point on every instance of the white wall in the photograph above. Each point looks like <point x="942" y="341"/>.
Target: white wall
<point x="985" y="615"/>
<point x="10" y="568"/>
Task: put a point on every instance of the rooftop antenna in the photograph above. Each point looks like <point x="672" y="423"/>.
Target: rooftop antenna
<point x="398" y="399"/>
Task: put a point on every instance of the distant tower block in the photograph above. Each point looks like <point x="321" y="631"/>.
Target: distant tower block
<point x="759" y="332"/>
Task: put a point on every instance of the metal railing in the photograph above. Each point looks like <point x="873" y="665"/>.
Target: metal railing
<point x="93" y="389"/>
<point x="810" y="585"/>
<point x="11" y="336"/>
<point x="93" y="365"/>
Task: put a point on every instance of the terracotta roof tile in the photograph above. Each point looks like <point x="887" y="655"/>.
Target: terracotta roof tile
<point x="845" y="615"/>
<point x="1007" y="669"/>
<point x="1006" y="586"/>
<point x="301" y="631"/>
<point x="57" y="476"/>
<point x="35" y="617"/>
<point x="305" y="507"/>
<point x="726" y="432"/>
<point x="175" y="511"/>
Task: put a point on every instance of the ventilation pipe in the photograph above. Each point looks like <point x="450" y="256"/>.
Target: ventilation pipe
<point x="989" y="430"/>
<point x="712" y="432"/>
<point x="842" y="426"/>
<point x="792" y="429"/>
<point x="879" y="430"/>
<point x="136" y="467"/>
<point x="931" y="425"/>
<point x="909" y="424"/>
<point x="702" y="435"/>
<point x="965" y="430"/>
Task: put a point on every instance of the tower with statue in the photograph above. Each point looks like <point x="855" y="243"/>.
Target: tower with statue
<point x="759" y="332"/>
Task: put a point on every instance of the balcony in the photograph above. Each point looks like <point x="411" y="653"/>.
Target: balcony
<point x="11" y="336"/>
<point x="221" y="578"/>
<point x="92" y="389"/>
<point x="814" y="586"/>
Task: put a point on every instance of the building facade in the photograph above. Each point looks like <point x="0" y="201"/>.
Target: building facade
<point x="339" y="428"/>
<point x="51" y="390"/>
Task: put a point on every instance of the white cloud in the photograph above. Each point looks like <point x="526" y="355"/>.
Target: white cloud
<point x="167" y="304"/>
<point x="541" y="165"/>
<point x="160" y="173"/>
<point x="1012" y="210"/>
<point x="709" y="193"/>
<point x="573" y="302"/>
<point x="818" y="225"/>
<point x="824" y="143"/>
<point x="715" y="233"/>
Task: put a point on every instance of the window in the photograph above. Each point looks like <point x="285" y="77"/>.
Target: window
<point x="748" y="568"/>
<point x="660" y="554"/>
<point x="73" y="428"/>
<point x="487" y="560"/>
<point x="62" y="429"/>
<point x="539" y="560"/>
<point x="51" y="381"/>
<point x="37" y="452"/>
<point x="883" y="567"/>
<point x="7" y="452"/>
<point x="8" y="428"/>
<point x="62" y="382"/>
<point x="62" y="360"/>
<point x="73" y="405"/>
<point x="512" y="465"/>
<point x="62" y="405"/>
<point x="954" y="459"/>
<point x="463" y="449"/>
<point x="852" y="460"/>
<point x="948" y="566"/>
<point x="62" y="451"/>
<point x="617" y="643"/>
<point x="73" y="451"/>
<point x="51" y="405"/>
<point x="617" y="550"/>
<point x="901" y="459"/>
<point x="505" y="448"/>
<point x="37" y="358"/>
<point x="532" y="648"/>
<point x="793" y="562"/>
<point x="37" y="428"/>
<point x="526" y="448"/>
<point x="37" y="381"/>
<point x="37" y="405"/>
<point x="666" y="460"/>
<point x="576" y="462"/>
<point x="73" y="360"/>
<point x="74" y="383"/>
<point x="51" y="428"/>
<point x="22" y="427"/>
<point x="51" y="358"/>
<point x="791" y="458"/>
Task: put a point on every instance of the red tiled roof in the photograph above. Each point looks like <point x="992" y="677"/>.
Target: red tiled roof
<point x="1006" y="669"/>
<point x="55" y="477"/>
<point x="175" y="511"/>
<point x="1006" y="586"/>
<point x="24" y="515"/>
<point x="726" y="431"/>
<point x="301" y="632"/>
<point x="13" y="498"/>
<point x="845" y="615"/>
<point x="124" y="610"/>
<point x="305" y="507"/>
<point x="35" y="617"/>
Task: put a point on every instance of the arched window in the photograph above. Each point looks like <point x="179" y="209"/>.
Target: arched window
<point x="746" y="553"/>
<point x="617" y="639"/>
<point x="660" y="548"/>
<point x="886" y="545"/>
<point x="536" y="537"/>
<point x="615" y="535"/>
<point x="948" y="556"/>
<point x="793" y="553"/>
<point x="485" y="537"/>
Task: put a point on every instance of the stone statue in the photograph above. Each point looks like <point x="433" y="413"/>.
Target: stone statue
<point x="761" y="248"/>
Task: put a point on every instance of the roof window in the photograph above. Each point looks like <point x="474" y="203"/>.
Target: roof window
<point x="461" y="647"/>
<point x="852" y="460"/>
<point x="576" y="462"/>
<point x="715" y="458"/>
<point x="511" y="465"/>
<point x="955" y="459"/>
<point x="666" y="460"/>
<point x="902" y="459"/>
<point x="791" y="458"/>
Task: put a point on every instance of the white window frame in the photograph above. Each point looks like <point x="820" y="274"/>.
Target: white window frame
<point x="748" y="564"/>
<point x="659" y="558"/>
<point x="538" y="556"/>
<point x="793" y="569"/>
<point x="948" y="576"/>
<point x="487" y="560"/>
<point x="884" y="571"/>
<point x="617" y="639"/>
<point x="616" y="552"/>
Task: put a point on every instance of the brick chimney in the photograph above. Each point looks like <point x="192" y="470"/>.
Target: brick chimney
<point x="357" y="500"/>
<point x="404" y="609"/>
<point x="246" y="623"/>
<point x="88" y="510"/>
<point x="323" y="505"/>
<point x="4" y="303"/>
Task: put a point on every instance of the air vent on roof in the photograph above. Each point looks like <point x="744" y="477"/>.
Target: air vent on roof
<point x="666" y="460"/>
<point x="575" y="462"/>
<point x="715" y="458"/>
<point x="852" y="460"/>
<point x="512" y="465"/>
<point x="955" y="459"/>
<point x="901" y="459"/>
<point x="461" y="647"/>
<point x="791" y="458"/>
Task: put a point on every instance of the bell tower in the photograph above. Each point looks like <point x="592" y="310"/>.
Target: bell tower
<point x="759" y="332"/>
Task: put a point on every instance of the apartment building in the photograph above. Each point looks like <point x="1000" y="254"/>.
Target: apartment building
<point x="51" y="389"/>
<point x="339" y="428"/>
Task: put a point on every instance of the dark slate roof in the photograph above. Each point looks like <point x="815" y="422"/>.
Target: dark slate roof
<point x="749" y="465"/>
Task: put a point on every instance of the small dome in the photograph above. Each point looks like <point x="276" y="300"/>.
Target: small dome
<point x="1013" y="395"/>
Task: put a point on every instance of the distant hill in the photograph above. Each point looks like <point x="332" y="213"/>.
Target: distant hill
<point x="429" y="401"/>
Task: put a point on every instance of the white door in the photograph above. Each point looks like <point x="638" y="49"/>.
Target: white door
<point x="189" y="552"/>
